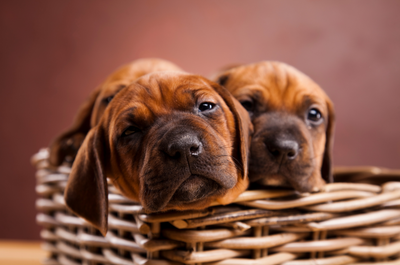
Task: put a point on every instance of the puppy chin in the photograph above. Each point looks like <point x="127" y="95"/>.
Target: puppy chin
<point x="302" y="184"/>
<point x="194" y="189"/>
<point x="196" y="192"/>
<point x="274" y="180"/>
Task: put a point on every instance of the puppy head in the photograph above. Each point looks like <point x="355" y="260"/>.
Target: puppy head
<point x="66" y="145"/>
<point x="170" y="141"/>
<point x="293" y="124"/>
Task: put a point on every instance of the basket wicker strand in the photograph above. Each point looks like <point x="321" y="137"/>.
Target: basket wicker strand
<point x="354" y="221"/>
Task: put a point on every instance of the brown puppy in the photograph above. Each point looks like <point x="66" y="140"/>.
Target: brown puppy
<point x="293" y="124"/>
<point x="170" y="140"/>
<point x="66" y="145"/>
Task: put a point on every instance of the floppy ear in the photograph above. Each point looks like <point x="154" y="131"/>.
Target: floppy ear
<point x="326" y="168"/>
<point x="244" y="128"/>
<point x="86" y="193"/>
<point x="222" y="78"/>
<point x="222" y="75"/>
<point x="67" y="144"/>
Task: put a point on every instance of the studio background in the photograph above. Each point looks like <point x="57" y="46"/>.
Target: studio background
<point x="53" y="53"/>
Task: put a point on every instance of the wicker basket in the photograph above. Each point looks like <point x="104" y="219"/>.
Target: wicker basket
<point x="352" y="222"/>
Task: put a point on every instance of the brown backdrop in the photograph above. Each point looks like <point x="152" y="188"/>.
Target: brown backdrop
<point x="54" y="52"/>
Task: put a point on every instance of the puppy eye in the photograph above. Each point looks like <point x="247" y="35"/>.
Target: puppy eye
<point x="108" y="99"/>
<point x="314" y="115"/>
<point x="206" y="106"/>
<point x="248" y="105"/>
<point x="130" y="130"/>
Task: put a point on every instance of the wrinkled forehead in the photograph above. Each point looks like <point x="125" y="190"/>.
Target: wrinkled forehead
<point x="165" y="91"/>
<point x="130" y="72"/>
<point x="278" y="83"/>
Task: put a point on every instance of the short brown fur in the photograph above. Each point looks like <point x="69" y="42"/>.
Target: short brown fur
<point x="133" y="146"/>
<point x="278" y="98"/>
<point x="66" y="145"/>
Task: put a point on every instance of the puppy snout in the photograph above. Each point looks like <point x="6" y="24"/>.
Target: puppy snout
<point x="282" y="148"/>
<point x="184" y="146"/>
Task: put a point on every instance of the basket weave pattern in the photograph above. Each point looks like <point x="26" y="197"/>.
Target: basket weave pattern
<point x="357" y="222"/>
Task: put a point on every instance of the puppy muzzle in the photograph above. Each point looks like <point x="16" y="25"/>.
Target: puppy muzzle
<point x="282" y="153"/>
<point x="188" y="174"/>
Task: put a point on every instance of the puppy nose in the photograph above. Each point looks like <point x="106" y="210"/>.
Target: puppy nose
<point x="184" y="146"/>
<point x="282" y="148"/>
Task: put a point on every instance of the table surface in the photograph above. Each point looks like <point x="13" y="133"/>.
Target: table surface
<point x="21" y="252"/>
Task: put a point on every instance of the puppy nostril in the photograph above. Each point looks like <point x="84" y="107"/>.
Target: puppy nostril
<point x="194" y="149"/>
<point x="173" y="154"/>
<point x="291" y="154"/>
<point x="177" y="155"/>
<point x="292" y="149"/>
<point x="279" y="148"/>
<point x="183" y="146"/>
<point x="275" y="152"/>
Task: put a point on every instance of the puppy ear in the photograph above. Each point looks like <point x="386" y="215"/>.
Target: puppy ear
<point x="86" y="193"/>
<point x="68" y="142"/>
<point x="326" y="168"/>
<point x="244" y="128"/>
<point x="222" y="78"/>
<point x="223" y="74"/>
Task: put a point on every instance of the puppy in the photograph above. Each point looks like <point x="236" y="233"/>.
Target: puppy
<point x="170" y="140"/>
<point x="66" y="145"/>
<point x="293" y="124"/>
